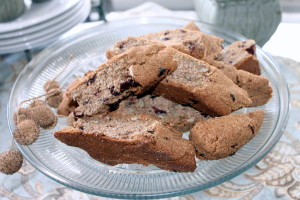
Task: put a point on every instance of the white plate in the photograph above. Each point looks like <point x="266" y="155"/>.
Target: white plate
<point x="44" y="31"/>
<point x="38" y="13"/>
<point x="40" y="26"/>
<point x="54" y="34"/>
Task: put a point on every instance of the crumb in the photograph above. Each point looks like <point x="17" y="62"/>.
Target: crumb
<point x="26" y="132"/>
<point x="10" y="162"/>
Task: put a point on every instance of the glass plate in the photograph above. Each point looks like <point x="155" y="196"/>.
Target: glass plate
<point x="74" y="168"/>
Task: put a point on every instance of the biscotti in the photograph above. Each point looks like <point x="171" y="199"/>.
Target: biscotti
<point x="132" y="72"/>
<point x="116" y="141"/>
<point x="199" y="45"/>
<point x="220" y="137"/>
<point x="259" y="95"/>
<point x="191" y="26"/>
<point x="202" y="86"/>
<point x="176" y="116"/>
<point x="241" y="55"/>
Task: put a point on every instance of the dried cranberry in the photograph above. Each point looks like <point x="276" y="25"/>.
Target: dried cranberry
<point x="162" y="71"/>
<point x="113" y="107"/>
<point x="150" y="132"/>
<point x="91" y="80"/>
<point x="125" y="85"/>
<point x="113" y="91"/>
<point x="97" y="92"/>
<point x="104" y="99"/>
<point x="166" y="38"/>
<point x="252" y="128"/>
<point x="251" y="49"/>
<point x="121" y="46"/>
<point x="158" y="111"/>
<point x="191" y="46"/>
<point x="232" y="97"/>
<point x="78" y="115"/>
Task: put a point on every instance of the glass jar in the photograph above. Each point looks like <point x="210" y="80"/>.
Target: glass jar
<point x="255" y="19"/>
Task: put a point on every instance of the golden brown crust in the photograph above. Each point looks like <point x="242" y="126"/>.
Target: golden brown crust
<point x="220" y="137"/>
<point x="161" y="148"/>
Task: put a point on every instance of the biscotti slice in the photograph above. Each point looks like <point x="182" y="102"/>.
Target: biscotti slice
<point x="126" y="44"/>
<point x="257" y="87"/>
<point x="116" y="141"/>
<point x="177" y="116"/>
<point x="220" y="137"/>
<point x="197" y="44"/>
<point x="191" y="26"/>
<point x="132" y="72"/>
<point x="241" y="55"/>
<point x="202" y="86"/>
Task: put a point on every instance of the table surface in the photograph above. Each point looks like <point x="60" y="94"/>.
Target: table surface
<point x="275" y="176"/>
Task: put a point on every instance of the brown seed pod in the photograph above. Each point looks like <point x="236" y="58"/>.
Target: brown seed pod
<point x="26" y="132"/>
<point x="55" y="98"/>
<point x="20" y="115"/>
<point x="10" y="161"/>
<point x="43" y="116"/>
<point x="51" y="84"/>
<point x="37" y="102"/>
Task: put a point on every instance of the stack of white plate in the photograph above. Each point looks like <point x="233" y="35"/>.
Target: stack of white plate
<point x="42" y="23"/>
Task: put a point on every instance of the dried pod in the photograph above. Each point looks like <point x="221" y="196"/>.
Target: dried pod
<point x="20" y="115"/>
<point x="10" y="161"/>
<point x="50" y="85"/>
<point x="55" y="98"/>
<point x="26" y="132"/>
<point x="43" y="116"/>
<point x="37" y="102"/>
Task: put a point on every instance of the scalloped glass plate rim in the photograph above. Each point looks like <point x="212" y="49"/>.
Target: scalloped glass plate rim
<point x="251" y="162"/>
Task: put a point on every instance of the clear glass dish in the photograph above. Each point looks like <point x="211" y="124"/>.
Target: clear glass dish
<point x="74" y="168"/>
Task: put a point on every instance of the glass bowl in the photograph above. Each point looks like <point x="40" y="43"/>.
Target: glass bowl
<point x="74" y="168"/>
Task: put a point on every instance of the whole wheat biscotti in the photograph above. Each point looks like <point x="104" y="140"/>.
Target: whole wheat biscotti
<point x="116" y="141"/>
<point x="191" y="26"/>
<point x="241" y="55"/>
<point x="259" y="95"/>
<point x="176" y="116"/>
<point x="202" y="86"/>
<point x="220" y="137"/>
<point x="132" y="72"/>
<point x="197" y="44"/>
